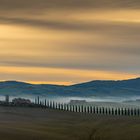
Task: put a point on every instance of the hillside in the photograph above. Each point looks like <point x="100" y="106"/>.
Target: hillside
<point x="93" y="88"/>
<point x="46" y="124"/>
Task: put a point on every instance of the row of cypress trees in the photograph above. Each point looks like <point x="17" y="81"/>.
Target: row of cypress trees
<point x="89" y="109"/>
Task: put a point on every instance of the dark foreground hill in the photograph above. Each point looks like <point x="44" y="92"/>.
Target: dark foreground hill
<point x="93" y="88"/>
<point x="45" y="124"/>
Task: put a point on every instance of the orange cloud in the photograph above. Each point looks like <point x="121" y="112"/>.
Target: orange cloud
<point x="72" y="45"/>
<point x="59" y="75"/>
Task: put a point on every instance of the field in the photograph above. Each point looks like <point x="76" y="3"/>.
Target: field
<point x="44" y="124"/>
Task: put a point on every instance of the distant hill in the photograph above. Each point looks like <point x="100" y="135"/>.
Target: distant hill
<point x="93" y="88"/>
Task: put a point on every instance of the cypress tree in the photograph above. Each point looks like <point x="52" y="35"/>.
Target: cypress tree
<point x="129" y="112"/>
<point x="125" y="112"/>
<point x="100" y="110"/>
<point x="112" y="111"/>
<point x="45" y="103"/>
<point x="109" y="111"/>
<point x="103" y="111"/>
<point x="135" y="112"/>
<point x="106" y="110"/>
<point x="76" y="108"/>
<point x="38" y="100"/>
<point x="61" y="106"/>
<point x="116" y="112"/>
<point x="82" y="109"/>
<point x="88" y="109"/>
<point x="50" y="104"/>
<point x="93" y="110"/>
<point x="121" y="111"/>
<point x="138" y="112"/>
<point x="97" y="110"/>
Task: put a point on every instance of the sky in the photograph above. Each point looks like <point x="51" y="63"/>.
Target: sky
<point x="69" y="41"/>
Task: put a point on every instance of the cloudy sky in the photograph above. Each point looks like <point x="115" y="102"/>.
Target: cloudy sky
<point x="69" y="41"/>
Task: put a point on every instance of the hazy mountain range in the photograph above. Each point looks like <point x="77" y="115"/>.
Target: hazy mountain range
<point x="93" y="88"/>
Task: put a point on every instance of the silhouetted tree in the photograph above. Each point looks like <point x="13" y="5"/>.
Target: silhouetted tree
<point x="45" y="103"/>
<point x="125" y="112"/>
<point x="138" y="112"/>
<point x="135" y="112"/>
<point x="91" y="109"/>
<point x="100" y="110"/>
<point x="116" y="111"/>
<point x="112" y="111"/>
<point x="38" y="100"/>
<point x="50" y="105"/>
<point x="82" y="108"/>
<point x="132" y="113"/>
<point x="103" y="110"/>
<point x="106" y="111"/>
<point x="94" y="110"/>
<point x="128" y="112"/>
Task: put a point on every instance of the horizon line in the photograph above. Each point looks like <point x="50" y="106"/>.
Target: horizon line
<point x="66" y="83"/>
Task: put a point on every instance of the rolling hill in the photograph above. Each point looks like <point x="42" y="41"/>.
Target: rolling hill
<point x="94" y="88"/>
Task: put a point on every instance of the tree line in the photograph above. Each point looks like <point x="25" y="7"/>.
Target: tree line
<point x="90" y="109"/>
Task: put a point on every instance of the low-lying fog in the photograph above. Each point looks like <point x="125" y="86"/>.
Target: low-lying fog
<point x="108" y="99"/>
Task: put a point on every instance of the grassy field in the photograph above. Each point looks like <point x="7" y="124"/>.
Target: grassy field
<point x="43" y="124"/>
